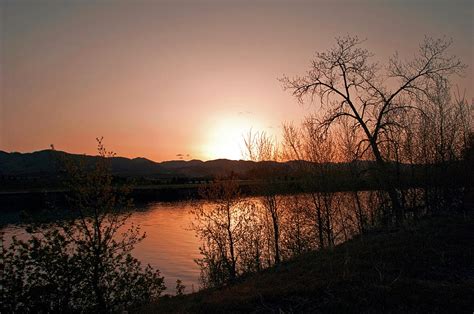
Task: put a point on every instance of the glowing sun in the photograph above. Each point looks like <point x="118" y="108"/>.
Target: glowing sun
<point x="225" y="137"/>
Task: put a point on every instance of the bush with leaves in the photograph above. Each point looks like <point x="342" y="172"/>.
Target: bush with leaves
<point x="83" y="263"/>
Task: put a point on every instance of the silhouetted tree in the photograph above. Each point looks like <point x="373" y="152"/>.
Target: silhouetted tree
<point x="318" y="149"/>
<point x="260" y="147"/>
<point x="82" y="263"/>
<point x="348" y="84"/>
<point x="221" y="223"/>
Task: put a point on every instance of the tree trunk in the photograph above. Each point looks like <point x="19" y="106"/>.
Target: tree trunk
<point x="385" y="178"/>
<point x="232" y="271"/>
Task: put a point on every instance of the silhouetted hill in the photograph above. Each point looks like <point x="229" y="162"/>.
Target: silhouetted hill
<point x="46" y="162"/>
<point x="42" y="168"/>
<point x="211" y="168"/>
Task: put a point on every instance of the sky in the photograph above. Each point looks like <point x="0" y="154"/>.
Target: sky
<point x="186" y="79"/>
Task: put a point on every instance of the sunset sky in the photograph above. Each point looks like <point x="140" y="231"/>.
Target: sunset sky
<point x="172" y="79"/>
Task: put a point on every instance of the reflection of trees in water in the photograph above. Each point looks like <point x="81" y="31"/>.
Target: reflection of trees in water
<point x="400" y="117"/>
<point x="237" y="233"/>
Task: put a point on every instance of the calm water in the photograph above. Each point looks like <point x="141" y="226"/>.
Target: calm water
<point x="169" y="245"/>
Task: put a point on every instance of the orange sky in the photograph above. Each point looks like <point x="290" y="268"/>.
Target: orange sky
<point x="162" y="78"/>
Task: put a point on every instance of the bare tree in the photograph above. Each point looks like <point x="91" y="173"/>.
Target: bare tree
<point x="222" y="223"/>
<point x="349" y="137"/>
<point x="315" y="151"/>
<point x="262" y="148"/>
<point x="348" y="84"/>
<point x="443" y="130"/>
<point x="297" y="230"/>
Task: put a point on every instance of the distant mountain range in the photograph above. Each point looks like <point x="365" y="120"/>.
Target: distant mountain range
<point x="168" y="180"/>
<point x="46" y="162"/>
<point x="20" y="171"/>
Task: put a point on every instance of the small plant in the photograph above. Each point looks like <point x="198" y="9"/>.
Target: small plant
<point x="180" y="287"/>
<point x="84" y="263"/>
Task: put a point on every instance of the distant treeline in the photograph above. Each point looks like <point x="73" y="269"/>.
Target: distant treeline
<point x="24" y="191"/>
<point x="39" y="172"/>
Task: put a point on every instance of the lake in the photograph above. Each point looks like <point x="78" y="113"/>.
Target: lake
<point x="169" y="245"/>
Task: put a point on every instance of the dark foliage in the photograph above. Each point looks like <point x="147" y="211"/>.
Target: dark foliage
<point x="81" y="264"/>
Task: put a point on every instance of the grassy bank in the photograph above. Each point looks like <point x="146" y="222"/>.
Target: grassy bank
<point x="426" y="267"/>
